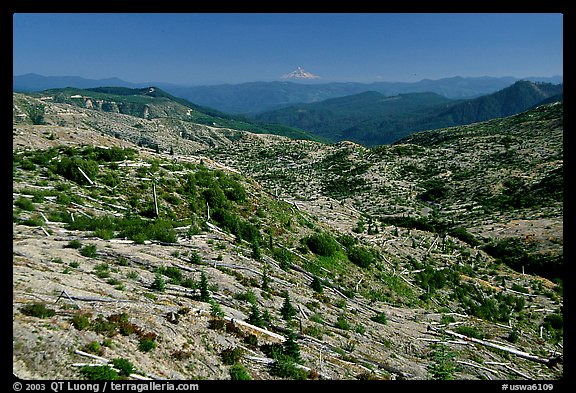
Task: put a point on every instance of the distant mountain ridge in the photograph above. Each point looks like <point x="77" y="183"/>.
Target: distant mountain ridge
<point x="257" y="97"/>
<point x="373" y="119"/>
<point x="153" y="102"/>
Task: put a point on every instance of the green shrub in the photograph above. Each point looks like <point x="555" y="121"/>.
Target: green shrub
<point x="446" y="319"/>
<point x="195" y="258"/>
<point x="68" y="167"/>
<point x="99" y="373"/>
<point x="215" y="309"/>
<point x="146" y="344"/>
<point x="158" y="284"/>
<point x="287" y="369"/>
<point x="103" y="233"/>
<point x="248" y="296"/>
<point x="554" y="321"/>
<point x="380" y="318"/>
<point x="316" y="285"/>
<point x="173" y="272"/>
<point x="465" y="236"/>
<point x="519" y="288"/>
<point x="101" y="325"/>
<point x="24" y="204"/>
<point x="94" y="347"/>
<point x="88" y="251"/>
<point x="73" y="244"/>
<point x="360" y="256"/>
<point x="124" y="366"/>
<point x="102" y="270"/>
<point x="442" y="367"/>
<point x="231" y="355"/>
<point x="37" y="310"/>
<point x="513" y="337"/>
<point x="283" y="257"/>
<point x="251" y="340"/>
<point x="239" y="373"/>
<point x="81" y="321"/>
<point x="27" y="165"/>
<point x="34" y="221"/>
<point x="342" y="323"/>
<point x="322" y="244"/>
<point x="470" y="331"/>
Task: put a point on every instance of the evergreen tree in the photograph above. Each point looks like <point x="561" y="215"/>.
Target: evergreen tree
<point x="256" y="252"/>
<point x="291" y="348"/>
<point x="215" y="309"/>
<point x="158" y="283"/>
<point x="265" y="279"/>
<point x="266" y="318"/>
<point x="287" y="311"/>
<point x="317" y="285"/>
<point x="204" y="292"/>
<point x="255" y="318"/>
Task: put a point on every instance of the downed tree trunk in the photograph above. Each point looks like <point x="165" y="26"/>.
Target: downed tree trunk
<point x="549" y="362"/>
<point x="86" y="177"/>
<point x="91" y="299"/>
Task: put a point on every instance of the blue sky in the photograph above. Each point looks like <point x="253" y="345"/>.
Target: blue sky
<point x="233" y="48"/>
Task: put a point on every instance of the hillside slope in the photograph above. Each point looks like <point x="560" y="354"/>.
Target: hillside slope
<point x="154" y="103"/>
<point x="372" y="119"/>
<point x="182" y="264"/>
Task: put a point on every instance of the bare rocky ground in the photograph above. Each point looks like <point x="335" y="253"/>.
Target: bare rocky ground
<point x="46" y="271"/>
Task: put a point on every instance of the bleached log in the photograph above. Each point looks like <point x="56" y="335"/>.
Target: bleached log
<point x="497" y="363"/>
<point x="437" y="340"/>
<point x="256" y="329"/>
<point x="155" y="199"/>
<point x="433" y="244"/>
<point x="89" y="355"/>
<point x="44" y="217"/>
<point x="86" y="177"/>
<point x="141" y="378"/>
<point x="519" y="293"/>
<point x="104" y="203"/>
<point x="45" y="231"/>
<point x="518" y="372"/>
<point x="121" y="241"/>
<point x="64" y="293"/>
<point x="513" y="351"/>
<point x="94" y="299"/>
<point x="80" y="211"/>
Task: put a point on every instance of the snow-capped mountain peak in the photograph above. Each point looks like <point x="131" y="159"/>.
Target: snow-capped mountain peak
<point x="299" y="73"/>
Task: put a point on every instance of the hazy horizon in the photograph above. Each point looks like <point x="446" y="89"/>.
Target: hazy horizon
<point x="311" y="82"/>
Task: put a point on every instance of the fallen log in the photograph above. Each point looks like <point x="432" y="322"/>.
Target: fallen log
<point x="525" y="355"/>
<point x="93" y="299"/>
